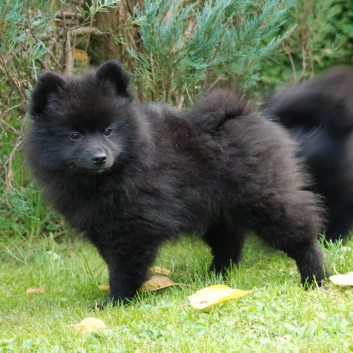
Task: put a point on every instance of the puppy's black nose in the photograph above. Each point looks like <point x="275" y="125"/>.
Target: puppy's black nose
<point x="99" y="158"/>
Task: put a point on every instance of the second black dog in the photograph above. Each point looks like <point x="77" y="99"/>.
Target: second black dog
<point x="319" y="115"/>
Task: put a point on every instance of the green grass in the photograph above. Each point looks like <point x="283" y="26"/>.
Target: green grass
<point x="278" y="317"/>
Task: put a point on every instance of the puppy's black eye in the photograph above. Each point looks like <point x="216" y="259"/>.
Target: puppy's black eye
<point x="75" y="136"/>
<point x="108" y="132"/>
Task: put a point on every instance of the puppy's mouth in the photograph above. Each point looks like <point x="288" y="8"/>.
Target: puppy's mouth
<point x="91" y="171"/>
<point x="97" y="171"/>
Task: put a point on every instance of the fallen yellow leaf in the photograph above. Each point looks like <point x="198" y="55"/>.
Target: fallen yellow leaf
<point x="152" y="284"/>
<point x="161" y="271"/>
<point x="34" y="290"/>
<point x="215" y="294"/>
<point x="90" y="324"/>
<point x="342" y="280"/>
<point x="155" y="283"/>
<point x="104" y="287"/>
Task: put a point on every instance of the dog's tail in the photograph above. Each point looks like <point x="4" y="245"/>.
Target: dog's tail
<point x="216" y="107"/>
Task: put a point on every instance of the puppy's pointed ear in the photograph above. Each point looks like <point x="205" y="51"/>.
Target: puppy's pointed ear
<point x="47" y="87"/>
<point x="114" y="73"/>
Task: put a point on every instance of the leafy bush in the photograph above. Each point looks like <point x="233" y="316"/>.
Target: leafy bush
<point x="188" y="48"/>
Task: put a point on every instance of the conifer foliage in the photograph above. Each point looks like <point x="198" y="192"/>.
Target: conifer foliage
<point x="188" y="47"/>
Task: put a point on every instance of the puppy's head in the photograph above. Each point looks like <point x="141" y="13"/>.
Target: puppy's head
<point x="81" y="124"/>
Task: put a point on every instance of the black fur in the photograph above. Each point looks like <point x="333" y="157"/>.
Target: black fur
<point x="216" y="170"/>
<point x="319" y="115"/>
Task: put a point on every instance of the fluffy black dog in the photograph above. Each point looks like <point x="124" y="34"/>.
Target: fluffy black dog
<point x="132" y="175"/>
<point x="319" y="115"/>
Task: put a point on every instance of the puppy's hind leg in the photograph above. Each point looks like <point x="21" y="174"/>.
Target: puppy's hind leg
<point x="310" y="262"/>
<point x="226" y="244"/>
<point x="294" y="230"/>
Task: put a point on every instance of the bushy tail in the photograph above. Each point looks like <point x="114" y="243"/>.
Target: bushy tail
<point x="214" y="108"/>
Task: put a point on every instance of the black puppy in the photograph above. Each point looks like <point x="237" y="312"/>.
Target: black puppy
<point x="132" y="175"/>
<point x="319" y="115"/>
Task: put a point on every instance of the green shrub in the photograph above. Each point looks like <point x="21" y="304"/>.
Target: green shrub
<point x="187" y="48"/>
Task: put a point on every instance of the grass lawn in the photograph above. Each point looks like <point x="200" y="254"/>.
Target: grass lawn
<point x="279" y="316"/>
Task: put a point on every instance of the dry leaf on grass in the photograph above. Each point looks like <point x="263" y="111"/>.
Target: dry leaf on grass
<point x="215" y="294"/>
<point x="90" y="324"/>
<point x="342" y="280"/>
<point x="34" y="290"/>
<point x="104" y="287"/>
<point x="152" y="284"/>
<point x="158" y="270"/>
<point x="158" y="282"/>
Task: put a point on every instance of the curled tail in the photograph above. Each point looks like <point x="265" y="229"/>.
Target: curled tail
<point x="214" y="108"/>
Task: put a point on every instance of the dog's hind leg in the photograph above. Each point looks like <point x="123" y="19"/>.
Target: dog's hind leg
<point x="226" y="244"/>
